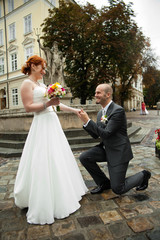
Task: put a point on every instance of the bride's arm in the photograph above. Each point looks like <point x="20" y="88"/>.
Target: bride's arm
<point x="27" y="89"/>
<point x="64" y="107"/>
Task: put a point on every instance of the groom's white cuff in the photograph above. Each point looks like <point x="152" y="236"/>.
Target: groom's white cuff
<point x="85" y="125"/>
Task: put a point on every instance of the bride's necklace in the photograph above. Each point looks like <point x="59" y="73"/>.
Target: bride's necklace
<point x="36" y="82"/>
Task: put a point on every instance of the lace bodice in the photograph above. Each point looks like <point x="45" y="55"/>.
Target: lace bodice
<point x="39" y="97"/>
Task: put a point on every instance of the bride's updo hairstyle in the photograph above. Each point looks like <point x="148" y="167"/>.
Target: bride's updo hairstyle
<point x="36" y="60"/>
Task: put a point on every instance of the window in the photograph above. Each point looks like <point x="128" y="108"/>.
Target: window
<point x="1" y="65"/>
<point x="27" y="24"/>
<point x="10" y="5"/>
<point x="12" y="32"/>
<point x="29" y="52"/>
<point x="15" y="96"/>
<point x="1" y="37"/>
<point x="14" y="61"/>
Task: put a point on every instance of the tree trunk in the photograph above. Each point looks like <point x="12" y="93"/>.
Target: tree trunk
<point x="83" y="100"/>
<point x="122" y="102"/>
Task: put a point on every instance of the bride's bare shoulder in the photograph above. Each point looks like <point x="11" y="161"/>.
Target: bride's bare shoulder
<point x="26" y="84"/>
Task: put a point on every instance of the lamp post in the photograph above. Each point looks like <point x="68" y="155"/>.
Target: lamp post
<point x="38" y="33"/>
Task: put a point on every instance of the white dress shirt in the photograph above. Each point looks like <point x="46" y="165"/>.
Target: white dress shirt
<point x="104" y="110"/>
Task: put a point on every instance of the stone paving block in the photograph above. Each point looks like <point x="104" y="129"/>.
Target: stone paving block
<point x="110" y="216"/>
<point x="143" y="209"/>
<point x="154" y="195"/>
<point x="8" y="176"/>
<point x="156" y="171"/>
<point x="155" y="218"/>
<point x="89" y="220"/>
<point x="95" y="197"/>
<point x="2" y="174"/>
<point x="12" y="182"/>
<point x="63" y="227"/>
<point x="140" y="197"/>
<point x="8" y="213"/>
<point x="109" y="195"/>
<point x="119" y="230"/>
<point x="76" y="236"/>
<point x="155" y="204"/>
<point x="38" y="232"/>
<point x="141" y="237"/>
<point x="128" y="213"/>
<point x="11" y="195"/>
<point x="124" y="201"/>
<point x="3" y="189"/>
<point x="108" y="205"/>
<point x="89" y="182"/>
<point x="100" y="233"/>
<point x="157" y="177"/>
<point x="90" y="208"/>
<point x="2" y="196"/>
<point x="84" y="199"/>
<point x="13" y="224"/>
<point x="154" y="235"/>
<point x="140" y="224"/>
<point x="3" y="182"/>
<point x="6" y="204"/>
<point x="14" y="235"/>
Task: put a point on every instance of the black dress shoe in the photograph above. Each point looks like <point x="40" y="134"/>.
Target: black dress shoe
<point x="144" y="184"/>
<point x="100" y="188"/>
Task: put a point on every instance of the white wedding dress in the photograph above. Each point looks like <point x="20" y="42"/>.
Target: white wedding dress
<point x="48" y="180"/>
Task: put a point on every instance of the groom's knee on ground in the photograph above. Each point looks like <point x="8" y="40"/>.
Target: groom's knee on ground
<point x="118" y="189"/>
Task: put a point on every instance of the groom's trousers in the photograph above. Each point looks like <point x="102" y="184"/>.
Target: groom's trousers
<point x="117" y="174"/>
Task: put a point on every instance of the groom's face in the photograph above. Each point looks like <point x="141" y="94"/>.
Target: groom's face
<point x="101" y="96"/>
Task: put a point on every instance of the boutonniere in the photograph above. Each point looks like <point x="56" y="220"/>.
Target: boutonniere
<point x="104" y="118"/>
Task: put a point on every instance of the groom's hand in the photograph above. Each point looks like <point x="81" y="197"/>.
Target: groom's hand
<point x="83" y="116"/>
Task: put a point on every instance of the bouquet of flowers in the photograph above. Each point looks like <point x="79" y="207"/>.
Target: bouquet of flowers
<point x="55" y="90"/>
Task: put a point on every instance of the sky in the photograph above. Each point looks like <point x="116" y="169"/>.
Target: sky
<point x="147" y="18"/>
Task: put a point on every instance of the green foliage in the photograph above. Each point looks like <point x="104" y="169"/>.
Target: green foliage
<point x="151" y="80"/>
<point x="158" y="144"/>
<point x="99" y="45"/>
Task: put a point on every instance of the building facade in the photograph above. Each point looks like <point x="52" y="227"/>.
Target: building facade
<point x="20" y="25"/>
<point x="134" y="103"/>
<point x="20" y="22"/>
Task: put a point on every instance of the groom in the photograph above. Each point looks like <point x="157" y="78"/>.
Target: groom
<point x="115" y="148"/>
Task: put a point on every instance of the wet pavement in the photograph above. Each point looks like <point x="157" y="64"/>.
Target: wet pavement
<point x="131" y="216"/>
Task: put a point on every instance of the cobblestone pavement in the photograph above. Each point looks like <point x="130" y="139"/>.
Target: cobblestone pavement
<point x="132" y="216"/>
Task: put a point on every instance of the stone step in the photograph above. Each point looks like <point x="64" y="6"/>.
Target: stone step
<point x="139" y="136"/>
<point x="77" y="138"/>
<point x="82" y="140"/>
<point x="17" y="136"/>
<point x="10" y="152"/>
<point x="12" y="144"/>
<point x="133" y="130"/>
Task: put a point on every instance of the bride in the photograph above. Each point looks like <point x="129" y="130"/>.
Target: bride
<point x="48" y="181"/>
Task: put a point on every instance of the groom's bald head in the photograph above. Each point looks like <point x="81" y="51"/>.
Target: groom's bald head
<point x="103" y="94"/>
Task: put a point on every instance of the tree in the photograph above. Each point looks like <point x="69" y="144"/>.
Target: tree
<point x="151" y="80"/>
<point x="75" y="29"/>
<point x="99" y="45"/>
<point x="124" y="44"/>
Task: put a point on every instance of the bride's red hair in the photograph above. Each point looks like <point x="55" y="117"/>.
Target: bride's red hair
<point x="36" y="60"/>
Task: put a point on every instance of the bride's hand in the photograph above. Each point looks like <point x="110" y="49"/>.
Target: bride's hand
<point x="54" y="101"/>
<point x="77" y="111"/>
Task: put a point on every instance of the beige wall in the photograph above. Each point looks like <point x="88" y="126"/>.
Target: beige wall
<point x="39" y="11"/>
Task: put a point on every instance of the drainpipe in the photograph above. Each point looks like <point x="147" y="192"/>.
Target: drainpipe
<point x="5" y="27"/>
